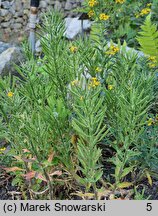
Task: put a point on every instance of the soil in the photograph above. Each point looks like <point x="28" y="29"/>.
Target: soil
<point x="7" y="191"/>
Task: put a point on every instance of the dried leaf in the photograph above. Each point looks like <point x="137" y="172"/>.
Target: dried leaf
<point x="18" y="158"/>
<point x="34" y="174"/>
<point x="58" y="173"/>
<point x="28" y="160"/>
<point x="124" y="185"/>
<point x="80" y="194"/>
<point x="26" y="151"/>
<point x="29" y="175"/>
<point x="50" y="158"/>
<point x="13" y="169"/>
<point x="40" y="176"/>
<point x="149" y="178"/>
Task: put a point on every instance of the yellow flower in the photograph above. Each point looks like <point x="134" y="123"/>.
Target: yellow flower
<point x="152" y="62"/>
<point x="74" y="83"/>
<point x="92" y="3"/>
<point x="10" y="94"/>
<point x="110" y="87"/>
<point x="98" y="69"/>
<point x="112" y="50"/>
<point x="103" y="16"/>
<point x="149" y="5"/>
<point x="73" y="49"/>
<point x="152" y="65"/>
<point x="120" y="1"/>
<point x="150" y="122"/>
<point x="153" y="59"/>
<point x="91" y="13"/>
<point x="137" y="15"/>
<point x="94" y="83"/>
<point x="81" y="98"/>
<point x="2" y="150"/>
<point x="145" y="11"/>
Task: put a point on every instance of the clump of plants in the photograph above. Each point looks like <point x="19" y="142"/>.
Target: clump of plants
<point x="76" y="112"/>
<point x="124" y="17"/>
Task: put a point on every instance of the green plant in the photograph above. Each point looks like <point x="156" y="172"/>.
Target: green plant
<point x="89" y="125"/>
<point x="140" y="195"/>
<point x="35" y="114"/>
<point x="148" y="38"/>
<point x="128" y="103"/>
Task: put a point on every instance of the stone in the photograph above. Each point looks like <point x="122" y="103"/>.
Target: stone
<point x="18" y="5"/>
<point x="3" y="12"/>
<point x="43" y="4"/>
<point x="73" y="27"/>
<point x="12" y="10"/>
<point x="49" y="1"/>
<point x="5" y="24"/>
<point x="17" y="26"/>
<point x="26" y="11"/>
<point x="18" y="14"/>
<point x="38" y="47"/>
<point x="5" y="4"/>
<point x="26" y="4"/>
<point x="19" y="20"/>
<point x="68" y="5"/>
<point x="8" y="58"/>
<point x="3" y="46"/>
<point x="8" y="17"/>
<point x="58" y="6"/>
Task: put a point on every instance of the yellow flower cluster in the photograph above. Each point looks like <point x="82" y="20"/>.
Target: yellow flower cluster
<point x="149" y="4"/>
<point x="10" y="94"/>
<point x="145" y="11"/>
<point x="152" y="121"/>
<point x="119" y="1"/>
<point x="92" y="3"/>
<point x="94" y="83"/>
<point x="74" y="82"/>
<point x="152" y="62"/>
<point x="98" y="69"/>
<point x="112" y="50"/>
<point x="91" y="13"/>
<point x="2" y="150"/>
<point x="110" y="87"/>
<point x="103" y="16"/>
<point x="73" y="49"/>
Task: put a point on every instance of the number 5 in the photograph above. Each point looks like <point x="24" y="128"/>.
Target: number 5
<point x="149" y="207"/>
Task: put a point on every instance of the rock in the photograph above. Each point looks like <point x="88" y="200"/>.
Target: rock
<point x="19" y="20"/>
<point x="58" y="6"/>
<point x="49" y="1"/>
<point x="38" y="47"/>
<point x="26" y="4"/>
<point x="73" y="27"/>
<point x="3" y="12"/>
<point x="7" y="58"/>
<point x="3" y="47"/>
<point x="5" y="24"/>
<point x="18" y="5"/>
<point x="8" y="17"/>
<point x="43" y="4"/>
<point x="17" y="26"/>
<point x="5" y="4"/>
<point x="68" y="5"/>
<point x="26" y="11"/>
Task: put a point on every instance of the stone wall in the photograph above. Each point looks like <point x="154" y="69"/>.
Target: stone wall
<point x="14" y="14"/>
